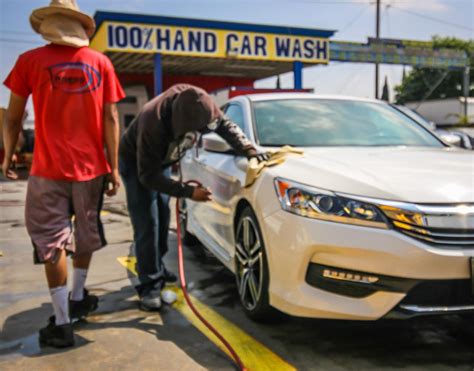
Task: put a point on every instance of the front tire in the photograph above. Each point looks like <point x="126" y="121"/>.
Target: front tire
<point x="251" y="265"/>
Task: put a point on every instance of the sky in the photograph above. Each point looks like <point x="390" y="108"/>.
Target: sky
<point x="354" y="20"/>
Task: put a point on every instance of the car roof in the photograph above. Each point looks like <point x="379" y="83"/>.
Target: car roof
<point x="279" y="96"/>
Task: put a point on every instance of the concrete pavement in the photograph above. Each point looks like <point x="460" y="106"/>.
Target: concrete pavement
<point x="120" y="337"/>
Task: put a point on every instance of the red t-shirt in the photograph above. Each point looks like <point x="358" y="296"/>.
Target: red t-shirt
<point x="70" y="87"/>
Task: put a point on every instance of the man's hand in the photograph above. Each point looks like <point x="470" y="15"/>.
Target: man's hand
<point x="8" y="166"/>
<point x="112" y="183"/>
<point x="263" y="156"/>
<point x="111" y="138"/>
<point x="12" y="126"/>
<point x="201" y="194"/>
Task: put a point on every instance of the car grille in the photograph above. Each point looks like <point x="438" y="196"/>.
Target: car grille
<point x="463" y="238"/>
<point x="440" y="225"/>
<point x="441" y="293"/>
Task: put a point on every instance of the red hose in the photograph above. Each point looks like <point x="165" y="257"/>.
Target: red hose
<point x="182" y="278"/>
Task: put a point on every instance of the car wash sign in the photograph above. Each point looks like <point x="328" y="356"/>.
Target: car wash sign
<point x="395" y="51"/>
<point x="207" y="42"/>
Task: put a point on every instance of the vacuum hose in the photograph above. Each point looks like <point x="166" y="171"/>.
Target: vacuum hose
<point x="182" y="278"/>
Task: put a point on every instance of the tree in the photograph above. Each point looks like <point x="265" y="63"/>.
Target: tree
<point x="386" y="91"/>
<point x="417" y="84"/>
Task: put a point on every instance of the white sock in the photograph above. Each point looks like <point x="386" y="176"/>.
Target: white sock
<point x="78" y="282"/>
<point x="60" y="304"/>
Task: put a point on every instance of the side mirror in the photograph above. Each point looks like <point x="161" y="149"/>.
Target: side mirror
<point x="214" y="143"/>
<point x="451" y="139"/>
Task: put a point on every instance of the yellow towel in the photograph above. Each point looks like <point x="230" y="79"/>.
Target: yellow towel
<point x="277" y="157"/>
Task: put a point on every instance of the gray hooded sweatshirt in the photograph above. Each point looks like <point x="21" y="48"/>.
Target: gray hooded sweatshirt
<point x="165" y="128"/>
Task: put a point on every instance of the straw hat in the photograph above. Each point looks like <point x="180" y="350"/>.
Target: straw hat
<point x="62" y="7"/>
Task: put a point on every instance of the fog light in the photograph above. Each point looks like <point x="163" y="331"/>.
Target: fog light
<point x="351" y="277"/>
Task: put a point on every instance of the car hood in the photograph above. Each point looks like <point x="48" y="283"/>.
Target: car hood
<point x="418" y="175"/>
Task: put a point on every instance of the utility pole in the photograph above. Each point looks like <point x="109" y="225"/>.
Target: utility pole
<point x="377" y="36"/>
<point x="466" y="83"/>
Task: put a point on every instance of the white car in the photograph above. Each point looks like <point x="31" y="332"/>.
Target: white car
<point x="375" y="220"/>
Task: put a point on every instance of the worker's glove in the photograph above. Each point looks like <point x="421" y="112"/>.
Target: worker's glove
<point x="262" y="156"/>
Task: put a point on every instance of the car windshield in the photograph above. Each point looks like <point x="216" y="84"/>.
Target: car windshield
<point x="335" y="122"/>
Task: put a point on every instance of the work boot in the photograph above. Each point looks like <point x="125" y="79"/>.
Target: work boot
<point x="151" y="301"/>
<point x="169" y="277"/>
<point x="79" y="309"/>
<point x="57" y="336"/>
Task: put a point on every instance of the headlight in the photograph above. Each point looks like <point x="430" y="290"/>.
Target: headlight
<point x="321" y="204"/>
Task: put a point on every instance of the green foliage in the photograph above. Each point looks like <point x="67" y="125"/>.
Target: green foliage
<point x="419" y="81"/>
<point x="461" y="119"/>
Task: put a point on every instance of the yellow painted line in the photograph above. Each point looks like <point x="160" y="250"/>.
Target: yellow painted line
<point x="129" y="263"/>
<point x="104" y="212"/>
<point x="253" y="354"/>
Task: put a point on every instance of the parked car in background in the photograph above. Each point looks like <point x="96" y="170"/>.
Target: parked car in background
<point x="446" y="111"/>
<point x="375" y="220"/>
<point x="452" y="137"/>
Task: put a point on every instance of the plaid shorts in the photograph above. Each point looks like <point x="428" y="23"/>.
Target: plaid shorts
<point x="56" y="211"/>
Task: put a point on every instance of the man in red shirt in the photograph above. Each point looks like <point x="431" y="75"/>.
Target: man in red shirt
<point x="74" y="93"/>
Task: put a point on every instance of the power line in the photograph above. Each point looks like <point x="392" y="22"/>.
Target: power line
<point x="414" y="1"/>
<point x="433" y="19"/>
<point x="335" y="2"/>
<point x="16" y="32"/>
<point x="387" y="17"/>
<point x="354" y="20"/>
<point x="354" y="76"/>
<point x="392" y="67"/>
<point x="2" y="39"/>
<point x="369" y="1"/>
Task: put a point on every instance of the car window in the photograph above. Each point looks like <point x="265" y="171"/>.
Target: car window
<point x="235" y="114"/>
<point x="335" y="122"/>
<point x="415" y="116"/>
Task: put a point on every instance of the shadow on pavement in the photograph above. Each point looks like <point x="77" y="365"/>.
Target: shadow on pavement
<point x="422" y="343"/>
<point x="118" y="310"/>
<point x="419" y="343"/>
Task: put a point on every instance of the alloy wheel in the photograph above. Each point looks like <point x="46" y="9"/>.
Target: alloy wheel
<point x="249" y="263"/>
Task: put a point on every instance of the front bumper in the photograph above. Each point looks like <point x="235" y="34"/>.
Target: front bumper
<point x="294" y="243"/>
<point x="436" y="298"/>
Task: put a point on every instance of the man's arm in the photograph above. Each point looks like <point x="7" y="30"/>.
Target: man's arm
<point x="150" y="139"/>
<point x="12" y="127"/>
<point x="236" y="138"/>
<point x="111" y="136"/>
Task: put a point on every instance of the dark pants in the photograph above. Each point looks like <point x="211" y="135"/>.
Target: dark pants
<point x="150" y="216"/>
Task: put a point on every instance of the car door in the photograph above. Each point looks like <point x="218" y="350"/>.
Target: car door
<point x="212" y="222"/>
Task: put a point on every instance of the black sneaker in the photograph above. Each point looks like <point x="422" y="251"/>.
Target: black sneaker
<point x="169" y="277"/>
<point x="79" y="309"/>
<point x="57" y="336"/>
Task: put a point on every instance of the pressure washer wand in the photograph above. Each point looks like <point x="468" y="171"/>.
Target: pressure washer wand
<point x="182" y="279"/>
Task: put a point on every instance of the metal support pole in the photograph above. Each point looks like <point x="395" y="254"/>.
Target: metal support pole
<point x="298" y="74"/>
<point x="377" y="36"/>
<point x="465" y="85"/>
<point x="158" y="76"/>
